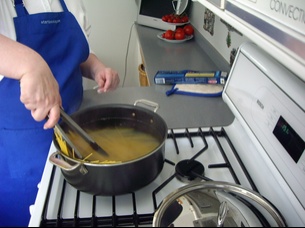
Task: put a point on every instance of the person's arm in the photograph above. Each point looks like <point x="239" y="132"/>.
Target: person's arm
<point x="39" y="91"/>
<point x="106" y="78"/>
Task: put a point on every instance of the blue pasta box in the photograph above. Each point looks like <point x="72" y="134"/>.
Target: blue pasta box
<point x="190" y="77"/>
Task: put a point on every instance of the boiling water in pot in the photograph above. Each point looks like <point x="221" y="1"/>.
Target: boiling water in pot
<point x="122" y="143"/>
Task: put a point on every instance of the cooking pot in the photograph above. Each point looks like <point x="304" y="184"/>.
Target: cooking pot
<point x="216" y="203"/>
<point x="109" y="176"/>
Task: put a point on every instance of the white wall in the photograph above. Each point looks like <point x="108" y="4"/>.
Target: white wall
<point x="218" y="40"/>
<point x="112" y="21"/>
<point x="112" y="24"/>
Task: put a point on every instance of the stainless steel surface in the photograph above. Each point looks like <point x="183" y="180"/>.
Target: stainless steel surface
<point x="205" y="197"/>
<point x="62" y="164"/>
<point x="148" y="103"/>
<point x="222" y="214"/>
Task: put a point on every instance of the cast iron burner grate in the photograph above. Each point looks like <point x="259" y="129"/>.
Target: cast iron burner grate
<point x="185" y="170"/>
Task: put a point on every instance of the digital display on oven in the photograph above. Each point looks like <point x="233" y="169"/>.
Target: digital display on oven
<point x="290" y="140"/>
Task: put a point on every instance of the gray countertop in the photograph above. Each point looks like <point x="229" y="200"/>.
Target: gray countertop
<point x="194" y="54"/>
<point x="178" y="111"/>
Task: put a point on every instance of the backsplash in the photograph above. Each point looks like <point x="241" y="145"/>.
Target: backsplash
<point x="218" y="33"/>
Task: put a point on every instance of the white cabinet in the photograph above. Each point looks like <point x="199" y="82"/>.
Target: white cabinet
<point x="133" y="60"/>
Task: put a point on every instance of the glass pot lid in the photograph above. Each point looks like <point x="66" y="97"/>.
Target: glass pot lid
<point x="216" y="204"/>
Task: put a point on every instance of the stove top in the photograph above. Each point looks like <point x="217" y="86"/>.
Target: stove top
<point x="191" y="155"/>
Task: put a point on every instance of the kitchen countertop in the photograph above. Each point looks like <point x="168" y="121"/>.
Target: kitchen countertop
<point x="178" y="111"/>
<point x="194" y="54"/>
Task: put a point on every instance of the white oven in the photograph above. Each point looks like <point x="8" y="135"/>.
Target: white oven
<point x="263" y="150"/>
<point x="268" y="102"/>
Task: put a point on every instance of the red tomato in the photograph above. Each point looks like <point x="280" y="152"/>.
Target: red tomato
<point x="188" y="29"/>
<point x="166" y="17"/>
<point x="184" y="19"/>
<point x="169" y="34"/>
<point x="179" y="29"/>
<point x="180" y="35"/>
<point x="178" y="20"/>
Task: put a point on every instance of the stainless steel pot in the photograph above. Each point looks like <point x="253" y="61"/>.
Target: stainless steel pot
<point x="216" y="204"/>
<point x="115" y="178"/>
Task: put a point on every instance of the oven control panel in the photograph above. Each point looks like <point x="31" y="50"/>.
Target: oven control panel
<point x="269" y="99"/>
<point x="279" y="120"/>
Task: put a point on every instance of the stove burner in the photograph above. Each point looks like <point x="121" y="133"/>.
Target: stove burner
<point x="189" y="170"/>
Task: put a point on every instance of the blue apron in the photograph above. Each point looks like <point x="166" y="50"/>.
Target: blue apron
<point x="24" y="145"/>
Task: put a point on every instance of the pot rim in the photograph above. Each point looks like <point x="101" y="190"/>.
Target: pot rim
<point x="115" y="105"/>
<point x="120" y="106"/>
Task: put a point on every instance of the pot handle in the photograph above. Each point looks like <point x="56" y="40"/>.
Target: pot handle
<point x="149" y="103"/>
<point x="65" y="165"/>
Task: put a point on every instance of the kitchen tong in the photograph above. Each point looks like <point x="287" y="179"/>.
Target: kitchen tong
<point x="72" y="124"/>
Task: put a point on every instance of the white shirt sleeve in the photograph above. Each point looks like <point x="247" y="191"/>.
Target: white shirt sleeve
<point x="7" y="13"/>
<point x="77" y="8"/>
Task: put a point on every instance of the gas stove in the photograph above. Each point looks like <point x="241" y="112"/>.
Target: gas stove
<point x="262" y="150"/>
<point x="191" y="155"/>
